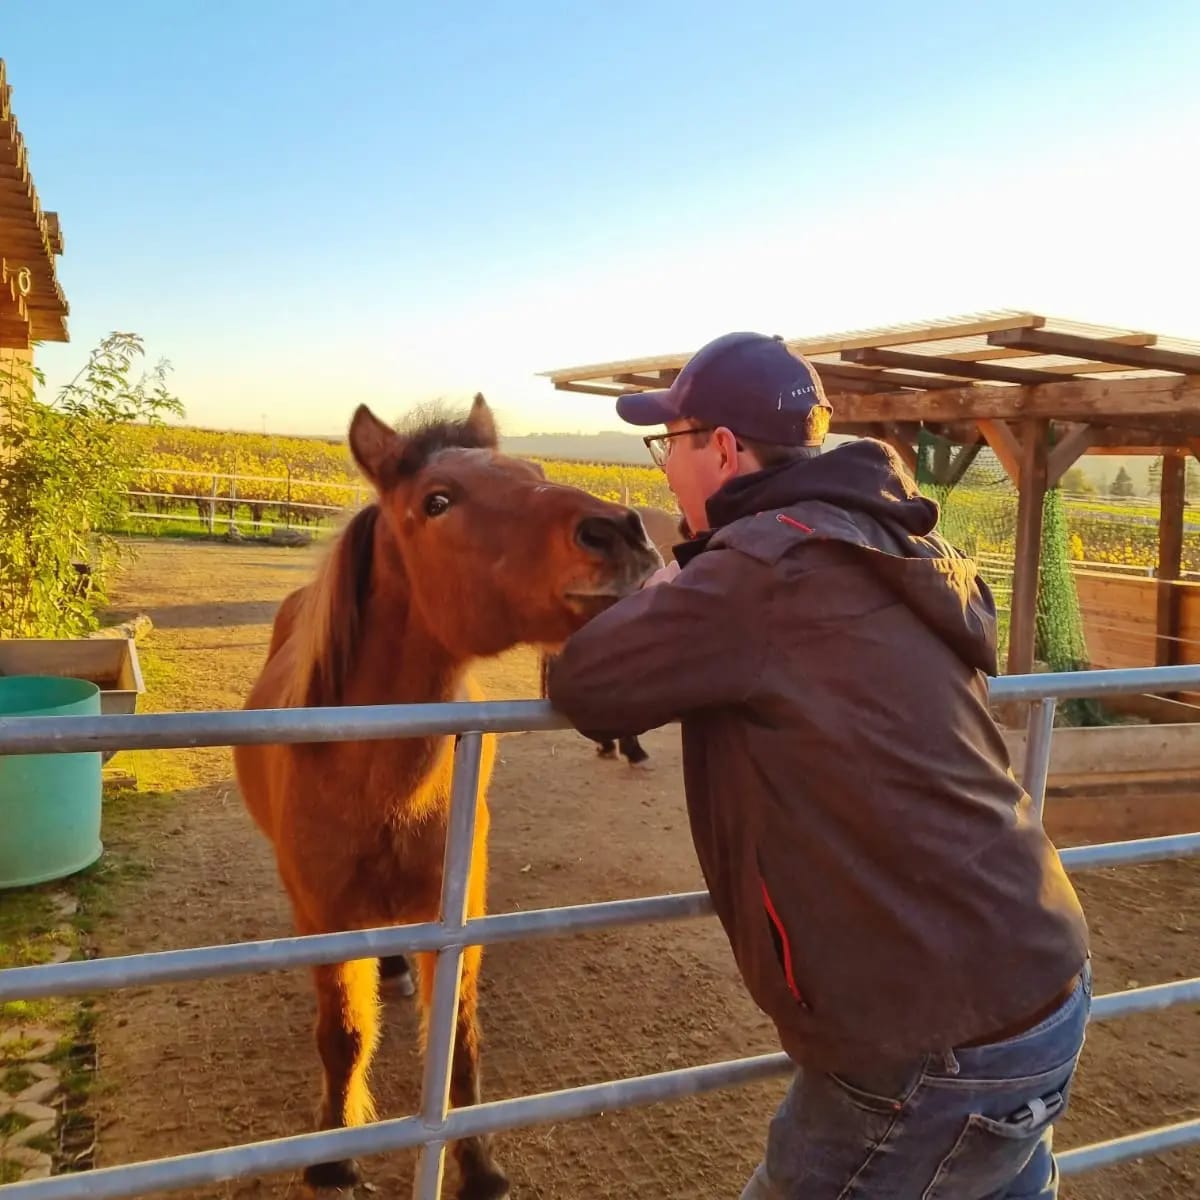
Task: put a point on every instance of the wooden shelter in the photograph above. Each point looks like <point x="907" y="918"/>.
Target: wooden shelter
<point x="32" y="305"/>
<point x="1038" y="390"/>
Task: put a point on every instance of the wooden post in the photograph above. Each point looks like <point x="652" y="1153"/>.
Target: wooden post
<point x="1170" y="558"/>
<point x="1032" y="496"/>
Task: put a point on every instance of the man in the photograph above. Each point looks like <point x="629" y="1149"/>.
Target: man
<point x="889" y="894"/>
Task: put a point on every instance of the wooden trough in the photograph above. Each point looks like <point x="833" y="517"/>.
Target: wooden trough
<point x="110" y="663"/>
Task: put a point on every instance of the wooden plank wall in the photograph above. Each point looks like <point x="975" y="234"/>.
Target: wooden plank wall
<point x="1119" y="615"/>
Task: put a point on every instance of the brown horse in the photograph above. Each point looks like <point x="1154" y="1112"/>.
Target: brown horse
<point x="666" y="532"/>
<point x="465" y="554"/>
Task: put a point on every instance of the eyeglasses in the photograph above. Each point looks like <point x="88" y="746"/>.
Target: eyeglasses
<point x="659" y="444"/>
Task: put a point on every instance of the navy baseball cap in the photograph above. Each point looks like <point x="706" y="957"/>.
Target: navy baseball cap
<point x="748" y="382"/>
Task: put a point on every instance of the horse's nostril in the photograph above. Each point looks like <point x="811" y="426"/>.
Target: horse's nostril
<point x="598" y="535"/>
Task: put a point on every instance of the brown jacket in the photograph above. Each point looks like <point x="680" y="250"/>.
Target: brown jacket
<point x="885" y="885"/>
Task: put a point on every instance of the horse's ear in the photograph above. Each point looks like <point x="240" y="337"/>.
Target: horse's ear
<point x="372" y="442"/>
<point x="482" y="423"/>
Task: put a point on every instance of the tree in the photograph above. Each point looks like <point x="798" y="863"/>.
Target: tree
<point x="66" y="471"/>
<point x="1154" y="485"/>
<point x="1122" y="485"/>
<point x="1075" y="483"/>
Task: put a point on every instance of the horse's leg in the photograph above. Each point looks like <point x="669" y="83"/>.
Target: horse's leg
<point x="633" y="751"/>
<point x="395" y="975"/>
<point x="480" y="1177"/>
<point x="347" y="1032"/>
<point x="606" y="748"/>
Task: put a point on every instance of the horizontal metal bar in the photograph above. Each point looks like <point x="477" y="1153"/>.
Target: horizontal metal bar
<point x="1122" y="1149"/>
<point x="1111" y="854"/>
<point x="162" y="731"/>
<point x="1126" y="681"/>
<point x="276" y="954"/>
<point x="293" y="1153"/>
<point x="1146" y="999"/>
<point x="242" y="958"/>
<point x="403" y="1133"/>
<point x="368" y="722"/>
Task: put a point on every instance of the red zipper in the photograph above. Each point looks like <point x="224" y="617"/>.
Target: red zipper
<point x="788" y="973"/>
<point x="784" y="519"/>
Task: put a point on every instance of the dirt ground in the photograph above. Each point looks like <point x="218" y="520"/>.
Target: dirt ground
<point x="189" y="1068"/>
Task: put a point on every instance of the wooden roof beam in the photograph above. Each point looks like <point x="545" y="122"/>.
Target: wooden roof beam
<point x="591" y="389"/>
<point x="882" y="379"/>
<point x="1144" y="357"/>
<point x="1066" y="451"/>
<point x="896" y="336"/>
<point x="994" y="352"/>
<point x="871" y="356"/>
<point x="661" y="379"/>
<point x="1091" y="400"/>
<point x="1006" y="446"/>
<point x="908" y="335"/>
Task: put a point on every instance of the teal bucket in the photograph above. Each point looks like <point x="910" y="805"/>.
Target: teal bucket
<point x="49" y="803"/>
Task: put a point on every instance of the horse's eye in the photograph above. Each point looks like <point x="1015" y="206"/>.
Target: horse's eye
<point x="436" y="503"/>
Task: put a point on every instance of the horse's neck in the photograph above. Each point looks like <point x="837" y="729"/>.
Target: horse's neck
<point x="398" y="662"/>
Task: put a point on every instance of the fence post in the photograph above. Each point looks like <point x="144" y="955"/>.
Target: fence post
<point x="287" y="518"/>
<point x="1038" y="735"/>
<point x="443" y="1012"/>
<point x="212" y="509"/>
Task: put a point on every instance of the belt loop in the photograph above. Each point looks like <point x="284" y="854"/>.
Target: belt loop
<point x="950" y="1065"/>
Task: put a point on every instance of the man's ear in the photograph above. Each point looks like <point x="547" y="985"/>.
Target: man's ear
<point x="727" y="443"/>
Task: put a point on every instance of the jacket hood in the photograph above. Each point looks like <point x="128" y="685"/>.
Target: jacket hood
<point x="863" y="476"/>
<point x="861" y="495"/>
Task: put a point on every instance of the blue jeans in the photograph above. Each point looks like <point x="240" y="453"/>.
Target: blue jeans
<point x="971" y="1125"/>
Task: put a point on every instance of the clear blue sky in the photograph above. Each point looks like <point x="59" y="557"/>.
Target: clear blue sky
<point x="304" y="205"/>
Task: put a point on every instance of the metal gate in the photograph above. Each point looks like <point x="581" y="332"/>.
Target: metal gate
<point x="436" y="1124"/>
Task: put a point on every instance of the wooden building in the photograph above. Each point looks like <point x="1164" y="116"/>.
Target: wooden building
<point x="32" y="306"/>
<point x="1039" y="391"/>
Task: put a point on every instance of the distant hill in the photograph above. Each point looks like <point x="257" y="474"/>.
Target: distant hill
<point x="616" y="446"/>
<point x="611" y="446"/>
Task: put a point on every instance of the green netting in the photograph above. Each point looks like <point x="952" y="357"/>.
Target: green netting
<point x="979" y="515"/>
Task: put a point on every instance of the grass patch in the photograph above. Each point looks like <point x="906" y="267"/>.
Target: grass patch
<point x="30" y="1012"/>
<point x="17" y="1079"/>
<point x="15" y="1051"/>
<point x="26" y="915"/>
<point x="13" y="1122"/>
<point x="45" y="1143"/>
<point x="10" y="1172"/>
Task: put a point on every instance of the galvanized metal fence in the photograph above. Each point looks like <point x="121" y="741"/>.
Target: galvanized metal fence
<point x="436" y="1124"/>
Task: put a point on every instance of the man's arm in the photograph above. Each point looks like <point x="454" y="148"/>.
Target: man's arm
<point x="682" y="645"/>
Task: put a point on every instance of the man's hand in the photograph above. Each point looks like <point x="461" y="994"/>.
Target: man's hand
<point x="663" y="575"/>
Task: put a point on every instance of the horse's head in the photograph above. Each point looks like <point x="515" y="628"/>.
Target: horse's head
<point x="494" y="555"/>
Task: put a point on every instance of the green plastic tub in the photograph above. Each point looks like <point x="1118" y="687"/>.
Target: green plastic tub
<point x="49" y="803"/>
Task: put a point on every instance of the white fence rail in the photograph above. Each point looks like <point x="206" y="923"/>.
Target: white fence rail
<point x="435" y="1125"/>
<point x="271" y="500"/>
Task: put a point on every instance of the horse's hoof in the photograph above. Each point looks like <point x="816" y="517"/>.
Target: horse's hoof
<point x="641" y="764"/>
<point x="398" y="985"/>
<point x="490" y="1186"/>
<point x="343" y="1175"/>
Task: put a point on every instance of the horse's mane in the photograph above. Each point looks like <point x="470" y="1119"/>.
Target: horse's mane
<point x="327" y="628"/>
<point x="429" y="429"/>
<point x="328" y="620"/>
